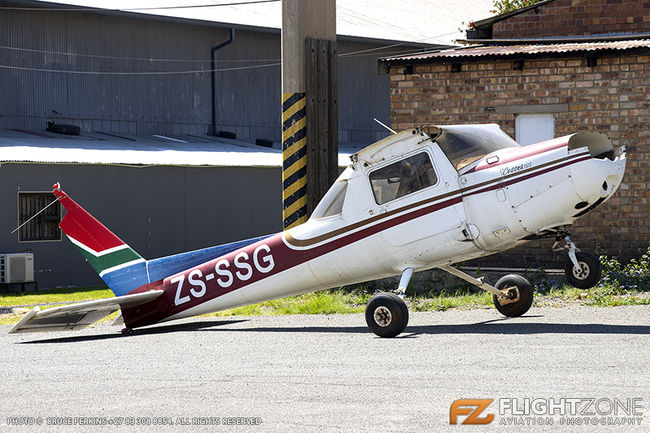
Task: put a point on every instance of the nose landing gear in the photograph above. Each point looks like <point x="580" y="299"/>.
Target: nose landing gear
<point x="583" y="269"/>
<point x="387" y="315"/>
<point x="587" y="274"/>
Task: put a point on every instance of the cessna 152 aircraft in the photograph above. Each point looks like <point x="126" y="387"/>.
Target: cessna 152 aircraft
<point x="423" y="198"/>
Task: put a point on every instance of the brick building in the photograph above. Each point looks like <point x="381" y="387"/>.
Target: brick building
<point x="555" y="68"/>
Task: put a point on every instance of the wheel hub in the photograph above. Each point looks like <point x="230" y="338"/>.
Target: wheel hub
<point x="509" y="296"/>
<point x="382" y="316"/>
<point x="581" y="273"/>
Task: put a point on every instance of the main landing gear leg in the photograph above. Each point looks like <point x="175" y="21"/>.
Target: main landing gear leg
<point x="386" y="313"/>
<point x="512" y="295"/>
<point x="583" y="269"/>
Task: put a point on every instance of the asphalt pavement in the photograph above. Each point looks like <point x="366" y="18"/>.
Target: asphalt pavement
<point x="575" y="368"/>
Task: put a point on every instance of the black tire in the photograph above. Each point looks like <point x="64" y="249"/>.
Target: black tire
<point x="590" y="273"/>
<point x="387" y="315"/>
<point x="522" y="305"/>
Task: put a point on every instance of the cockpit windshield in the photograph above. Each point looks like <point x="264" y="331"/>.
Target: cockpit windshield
<point x="466" y="144"/>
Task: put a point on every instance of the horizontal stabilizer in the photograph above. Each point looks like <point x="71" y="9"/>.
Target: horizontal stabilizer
<point x="80" y="315"/>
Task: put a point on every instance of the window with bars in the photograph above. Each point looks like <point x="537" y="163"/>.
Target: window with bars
<point x="45" y="227"/>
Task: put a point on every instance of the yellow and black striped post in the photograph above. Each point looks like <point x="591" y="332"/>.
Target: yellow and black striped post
<point x="294" y="159"/>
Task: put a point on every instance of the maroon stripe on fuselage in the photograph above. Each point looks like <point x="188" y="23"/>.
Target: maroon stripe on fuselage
<point x="284" y="258"/>
<point x="526" y="177"/>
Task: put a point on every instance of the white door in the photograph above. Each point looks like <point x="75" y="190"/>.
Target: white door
<point x="533" y="128"/>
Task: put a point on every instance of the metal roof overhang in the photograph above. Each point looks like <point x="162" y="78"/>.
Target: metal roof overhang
<point x="34" y="147"/>
<point x="519" y="52"/>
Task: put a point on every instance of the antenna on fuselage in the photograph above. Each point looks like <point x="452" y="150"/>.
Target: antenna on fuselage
<point x="379" y="121"/>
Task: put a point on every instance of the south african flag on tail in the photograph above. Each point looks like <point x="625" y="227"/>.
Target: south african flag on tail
<point x="105" y="252"/>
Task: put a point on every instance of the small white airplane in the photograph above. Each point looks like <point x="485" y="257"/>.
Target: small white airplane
<point x="423" y="198"/>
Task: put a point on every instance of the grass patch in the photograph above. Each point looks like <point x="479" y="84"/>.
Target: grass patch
<point x="22" y="302"/>
<point x="599" y="296"/>
<point x="323" y="302"/>
<point x="52" y="296"/>
<point x="10" y="319"/>
<point x="463" y="299"/>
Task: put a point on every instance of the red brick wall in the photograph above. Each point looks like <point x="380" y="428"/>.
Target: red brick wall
<point x="611" y="97"/>
<point x="577" y="17"/>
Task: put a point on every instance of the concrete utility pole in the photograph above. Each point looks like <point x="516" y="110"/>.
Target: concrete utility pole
<point x="309" y="105"/>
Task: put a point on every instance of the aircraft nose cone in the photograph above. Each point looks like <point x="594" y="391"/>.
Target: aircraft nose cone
<point x="596" y="179"/>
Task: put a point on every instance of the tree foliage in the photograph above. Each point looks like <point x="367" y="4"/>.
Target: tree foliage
<point x="503" y="6"/>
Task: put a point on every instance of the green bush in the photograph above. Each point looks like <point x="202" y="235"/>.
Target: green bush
<point x="635" y="276"/>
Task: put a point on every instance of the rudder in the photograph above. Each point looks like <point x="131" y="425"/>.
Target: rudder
<point x="105" y="252"/>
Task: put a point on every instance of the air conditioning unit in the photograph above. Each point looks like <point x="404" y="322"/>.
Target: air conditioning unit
<point x="16" y="268"/>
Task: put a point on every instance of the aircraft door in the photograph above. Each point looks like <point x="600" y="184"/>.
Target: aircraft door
<point x="418" y="194"/>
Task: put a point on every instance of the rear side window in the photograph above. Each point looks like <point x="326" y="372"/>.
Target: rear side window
<point x="402" y="178"/>
<point x="332" y="202"/>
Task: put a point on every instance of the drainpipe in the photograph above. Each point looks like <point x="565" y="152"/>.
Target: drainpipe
<point x="213" y="63"/>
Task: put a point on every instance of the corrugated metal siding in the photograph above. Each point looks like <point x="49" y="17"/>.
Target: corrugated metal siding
<point x="363" y="94"/>
<point x="248" y="100"/>
<point x="103" y="102"/>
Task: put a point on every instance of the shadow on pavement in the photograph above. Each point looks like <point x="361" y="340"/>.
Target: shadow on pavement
<point x="497" y="326"/>
<point x="159" y="329"/>
<point x="502" y="326"/>
<point x="511" y="327"/>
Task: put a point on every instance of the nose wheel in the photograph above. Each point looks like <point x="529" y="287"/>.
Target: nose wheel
<point x="583" y="269"/>
<point x="587" y="274"/>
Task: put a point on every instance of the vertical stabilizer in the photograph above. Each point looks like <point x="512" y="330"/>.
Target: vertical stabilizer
<point x="105" y="252"/>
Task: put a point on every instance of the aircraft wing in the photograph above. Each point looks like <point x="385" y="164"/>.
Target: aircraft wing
<point x="80" y="315"/>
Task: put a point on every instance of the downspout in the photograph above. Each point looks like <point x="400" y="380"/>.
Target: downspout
<point x="213" y="63"/>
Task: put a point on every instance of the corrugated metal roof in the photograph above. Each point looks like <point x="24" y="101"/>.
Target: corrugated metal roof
<point x="26" y="147"/>
<point x="424" y="21"/>
<point x="528" y="49"/>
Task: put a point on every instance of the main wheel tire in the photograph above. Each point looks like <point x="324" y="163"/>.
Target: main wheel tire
<point x="522" y="305"/>
<point x="387" y="315"/>
<point x="589" y="273"/>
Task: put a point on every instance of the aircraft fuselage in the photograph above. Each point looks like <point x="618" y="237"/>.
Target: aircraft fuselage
<point x="383" y="225"/>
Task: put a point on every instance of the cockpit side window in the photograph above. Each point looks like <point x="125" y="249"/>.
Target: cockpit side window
<point x="332" y="202"/>
<point x="402" y="178"/>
